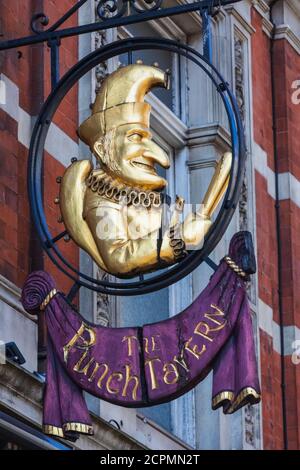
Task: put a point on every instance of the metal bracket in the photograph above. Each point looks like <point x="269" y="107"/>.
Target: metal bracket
<point x="111" y="13"/>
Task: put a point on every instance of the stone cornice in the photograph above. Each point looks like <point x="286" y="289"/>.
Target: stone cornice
<point x="194" y="17"/>
<point x="212" y="134"/>
<point x="262" y="7"/>
<point x="22" y="393"/>
<point x="231" y="10"/>
<point x="267" y="27"/>
<point x="11" y="294"/>
<point x="285" y="32"/>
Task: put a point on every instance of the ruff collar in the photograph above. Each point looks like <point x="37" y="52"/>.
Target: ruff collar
<point x="104" y="185"/>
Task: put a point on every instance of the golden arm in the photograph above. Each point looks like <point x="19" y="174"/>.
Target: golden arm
<point x="197" y="224"/>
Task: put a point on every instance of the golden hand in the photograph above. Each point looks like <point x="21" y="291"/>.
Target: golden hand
<point x="197" y="224"/>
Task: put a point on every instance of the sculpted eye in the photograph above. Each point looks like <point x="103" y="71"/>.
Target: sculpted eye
<point x="136" y="137"/>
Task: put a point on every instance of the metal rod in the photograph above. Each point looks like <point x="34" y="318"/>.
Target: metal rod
<point x="73" y="291"/>
<point x="112" y="23"/>
<point x="67" y="15"/>
<point x="58" y="237"/>
<point x="180" y="85"/>
<point x="207" y="34"/>
<point x="54" y="61"/>
<point x="211" y="263"/>
<point x="130" y="57"/>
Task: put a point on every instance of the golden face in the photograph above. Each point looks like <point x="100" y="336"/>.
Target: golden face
<point x="133" y="156"/>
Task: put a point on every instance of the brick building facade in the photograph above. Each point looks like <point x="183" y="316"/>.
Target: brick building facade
<point x="257" y="49"/>
<point x="276" y="65"/>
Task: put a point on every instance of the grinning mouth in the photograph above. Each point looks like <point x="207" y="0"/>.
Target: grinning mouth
<point x="144" y="165"/>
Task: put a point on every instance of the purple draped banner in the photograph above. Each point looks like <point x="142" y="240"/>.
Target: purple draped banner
<point x="144" y="366"/>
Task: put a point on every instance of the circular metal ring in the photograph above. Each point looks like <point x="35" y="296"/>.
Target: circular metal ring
<point x="36" y="151"/>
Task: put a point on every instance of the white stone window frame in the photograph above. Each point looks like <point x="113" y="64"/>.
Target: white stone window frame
<point x="241" y="28"/>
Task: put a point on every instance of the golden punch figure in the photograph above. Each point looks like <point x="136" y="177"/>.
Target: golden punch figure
<point x="115" y="212"/>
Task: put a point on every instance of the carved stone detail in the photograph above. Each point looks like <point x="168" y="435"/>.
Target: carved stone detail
<point x="243" y="206"/>
<point x="239" y="74"/>
<point x="102" y="310"/>
<point x="250" y="413"/>
<point x="102" y="314"/>
<point x="101" y="70"/>
<point x="239" y="71"/>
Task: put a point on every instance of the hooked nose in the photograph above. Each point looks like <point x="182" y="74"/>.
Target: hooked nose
<point x="157" y="154"/>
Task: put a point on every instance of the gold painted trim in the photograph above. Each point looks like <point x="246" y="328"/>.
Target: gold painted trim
<point x="235" y="267"/>
<point x="45" y="302"/>
<point x="235" y="402"/>
<point x="78" y="427"/>
<point x="245" y="393"/>
<point x="220" y="397"/>
<point x="53" y="430"/>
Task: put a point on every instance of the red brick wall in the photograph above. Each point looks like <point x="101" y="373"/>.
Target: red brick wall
<point x="66" y="117"/>
<point x="287" y="118"/>
<point x="287" y="69"/>
<point x="261" y="85"/>
<point x="14" y="213"/>
<point x="29" y="69"/>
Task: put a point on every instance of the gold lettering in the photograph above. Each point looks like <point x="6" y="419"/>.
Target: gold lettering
<point x="169" y="369"/>
<point x="204" y="330"/>
<point x="146" y="345"/>
<point x="118" y="377"/>
<point x="79" y="335"/>
<point x="92" y="376"/>
<point x="104" y="373"/>
<point x="129" y="343"/>
<point x="128" y="379"/>
<point x="181" y="361"/>
<point x="194" y="349"/>
<point x="155" y="346"/>
<point x="149" y="362"/>
<point x="218" y="313"/>
<point x="204" y="333"/>
<point x="83" y="370"/>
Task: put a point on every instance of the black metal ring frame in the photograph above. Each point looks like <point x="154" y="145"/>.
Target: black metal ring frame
<point x="36" y="151"/>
